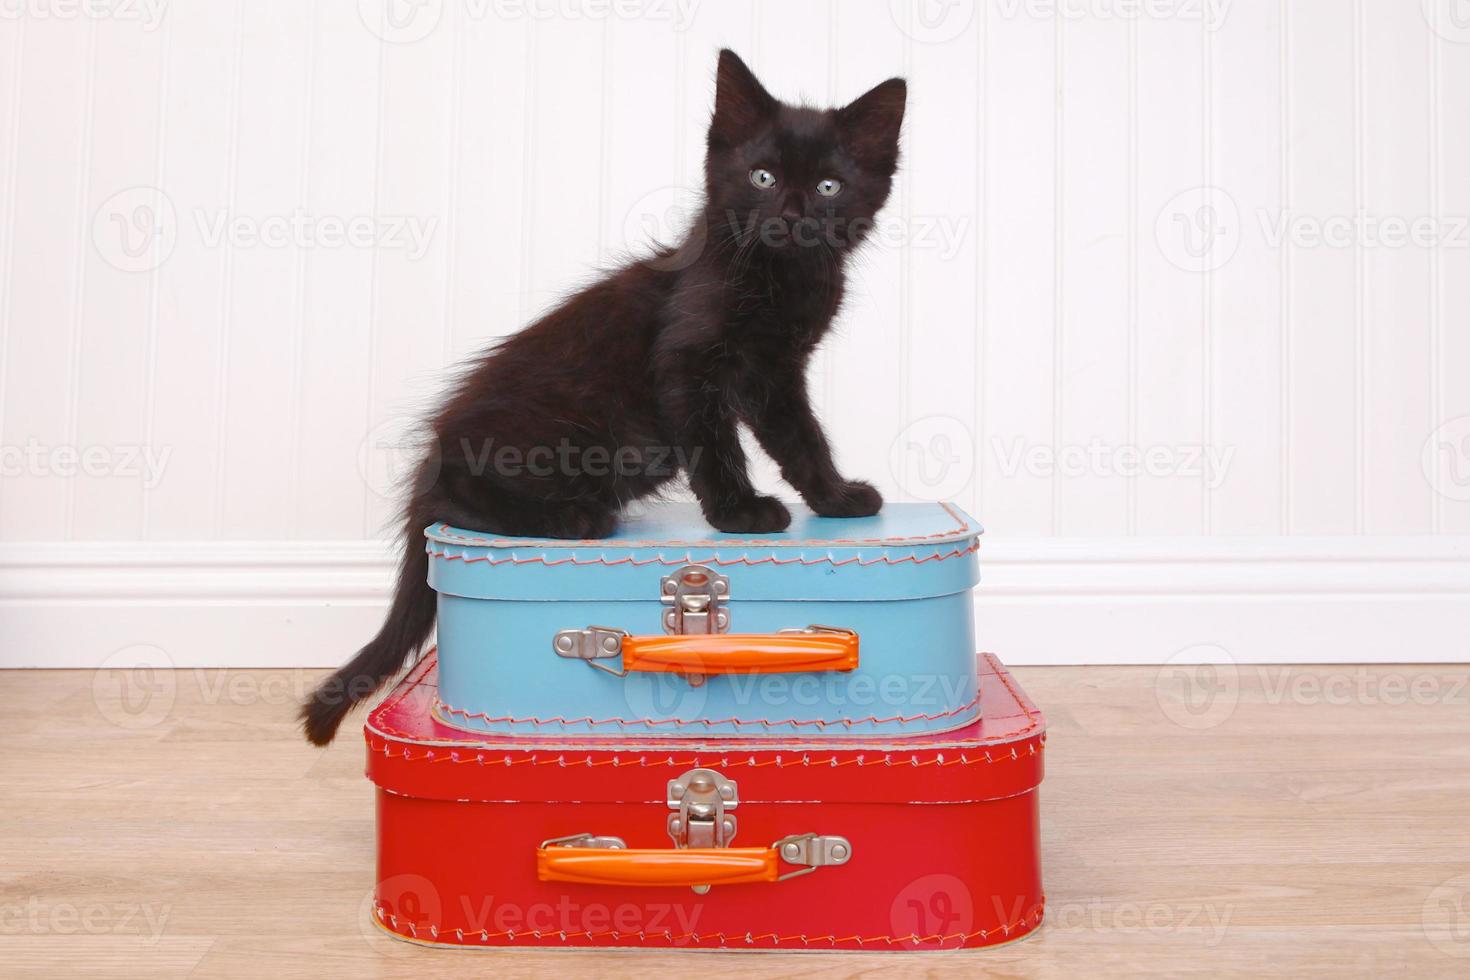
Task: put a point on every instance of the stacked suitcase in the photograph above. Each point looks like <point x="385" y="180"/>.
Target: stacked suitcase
<point x="679" y="738"/>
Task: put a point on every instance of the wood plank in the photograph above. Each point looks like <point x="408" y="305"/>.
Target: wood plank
<point x="1294" y="836"/>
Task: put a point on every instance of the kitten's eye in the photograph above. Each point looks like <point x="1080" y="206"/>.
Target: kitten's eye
<point x="763" y="179"/>
<point x="829" y="187"/>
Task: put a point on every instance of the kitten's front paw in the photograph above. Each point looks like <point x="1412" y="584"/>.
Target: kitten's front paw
<point x="757" y="515"/>
<point x="851" y="499"/>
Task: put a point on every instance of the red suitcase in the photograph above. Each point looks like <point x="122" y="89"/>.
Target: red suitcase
<point x="920" y="843"/>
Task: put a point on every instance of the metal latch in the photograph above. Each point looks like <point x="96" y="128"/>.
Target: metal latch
<point x="701" y="801"/>
<point x="813" y="850"/>
<point x="696" y="595"/>
<point x="591" y="644"/>
<point x="587" y="840"/>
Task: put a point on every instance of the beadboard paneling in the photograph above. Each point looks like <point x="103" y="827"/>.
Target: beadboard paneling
<point x="1096" y="270"/>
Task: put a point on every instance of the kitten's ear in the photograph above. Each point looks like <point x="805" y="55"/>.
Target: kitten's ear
<point x="870" y="126"/>
<point x="741" y="102"/>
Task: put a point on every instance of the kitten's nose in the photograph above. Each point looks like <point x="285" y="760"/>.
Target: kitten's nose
<point x="793" y="209"/>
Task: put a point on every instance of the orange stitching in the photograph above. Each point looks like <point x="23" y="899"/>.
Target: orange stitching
<point x="1004" y="676"/>
<point x="768" y="560"/>
<point x="445" y="531"/>
<point x="1032" y="918"/>
<point x="419" y="675"/>
<point x="654" y="722"/>
<point x="456" y="757"/>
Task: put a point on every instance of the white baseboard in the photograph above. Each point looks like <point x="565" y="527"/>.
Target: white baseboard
<point x="1048" y="601"/>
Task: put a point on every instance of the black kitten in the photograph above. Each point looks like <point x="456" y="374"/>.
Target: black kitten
<point x="648" y="372"/>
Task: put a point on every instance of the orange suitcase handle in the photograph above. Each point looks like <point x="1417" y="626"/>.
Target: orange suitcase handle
<point x="792" y="652"/>
<point x="588" y="860"/>
<point x="654" y="866"/>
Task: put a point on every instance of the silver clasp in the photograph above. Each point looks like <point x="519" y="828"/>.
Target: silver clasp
<point x="586" y="840"/>
<point x="696" y="595"/>
<point x="591" y="644"/>
<point x="813" y="850"/>
<point x="702" y="799"/>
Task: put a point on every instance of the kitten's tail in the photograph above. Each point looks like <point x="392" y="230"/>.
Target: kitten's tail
<point x="409" y="622"/>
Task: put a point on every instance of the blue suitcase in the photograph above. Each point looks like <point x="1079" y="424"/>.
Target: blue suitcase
<point x="860" y="627"/>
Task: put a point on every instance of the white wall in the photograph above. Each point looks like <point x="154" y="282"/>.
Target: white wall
<point x="1106" y="245"/>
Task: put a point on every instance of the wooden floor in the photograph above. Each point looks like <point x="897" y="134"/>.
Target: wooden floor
<point x="1283" y="820"/>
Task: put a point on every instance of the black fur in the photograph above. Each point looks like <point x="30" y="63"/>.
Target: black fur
<point x="649" y="372"/>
